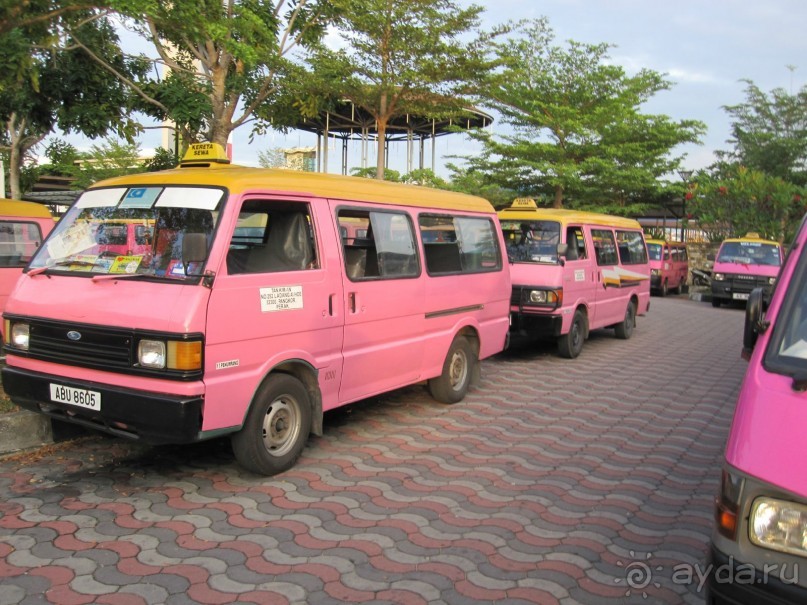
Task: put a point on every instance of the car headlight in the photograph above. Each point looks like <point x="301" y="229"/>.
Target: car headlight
<point x="546" y="297"/>
<point x="655" y="272"/>
<point x="170" y="354"/>
<point x="779" y="525"/>
<point x="719" y="276"/>
<point x="771" y="280"/>
<point x="19" y="335"/>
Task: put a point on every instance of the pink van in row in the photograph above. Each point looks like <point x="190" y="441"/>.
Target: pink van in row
<point x="759" y="545"/>
<point x="256" y="301"/>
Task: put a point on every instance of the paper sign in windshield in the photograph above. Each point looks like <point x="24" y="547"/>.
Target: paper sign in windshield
<point x="281" y="298"/>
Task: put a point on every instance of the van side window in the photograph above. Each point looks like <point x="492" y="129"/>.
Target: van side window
<point x="576" y="241"/>
<point x="604" y="247"/>
<point x="632" y="250"/>
<point x="18" y="242"/>
<point x="377" y="245"/>
<point x="459" y="244"/>
<point x="271" y="237"/>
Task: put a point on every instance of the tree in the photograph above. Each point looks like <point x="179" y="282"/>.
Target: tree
<point x="769" y="133"/>
<point x="229" y="62"/>
<point x="731" y="200"/>
<point x="61" y="86"/>
<point x="403" y="57"/>
<point x="577" y="132"/>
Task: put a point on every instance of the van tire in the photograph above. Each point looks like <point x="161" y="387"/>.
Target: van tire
<point x="665" y="288"/>
<point x="624" y="330"/>
<point x="277" y="426"/>
<point x="571" y="344"/>
<point x="458" y="368"/>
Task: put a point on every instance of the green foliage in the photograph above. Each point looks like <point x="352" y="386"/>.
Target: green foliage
<point x="577" y="130"/>
<point x="478" y="183"/>
<point x="106" y="160"/>
<point x="769" y="133"/>
<point x="164" y="159"/>
<point x="733" y="200"/>
<point x="370" y="173"/>
<point x="272" y="158"/>
<point x="409" y="57"/>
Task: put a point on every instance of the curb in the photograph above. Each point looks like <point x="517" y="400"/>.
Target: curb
<point x="23" y="430"/>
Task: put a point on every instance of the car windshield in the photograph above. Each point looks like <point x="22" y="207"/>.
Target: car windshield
<point x="749" y="253"/>
<point x="147" y="231"/>
<point x="532" y="241"/>
<point x="654" y="251"/>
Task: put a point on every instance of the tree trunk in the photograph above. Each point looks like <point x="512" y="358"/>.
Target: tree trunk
<point x="558" y="201"/>
<point x="20" y="142"/>
<point x="381" y="159"/>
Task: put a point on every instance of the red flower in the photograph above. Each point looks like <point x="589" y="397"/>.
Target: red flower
<point x="723" y="190"/>
<point x="688" y="195"/>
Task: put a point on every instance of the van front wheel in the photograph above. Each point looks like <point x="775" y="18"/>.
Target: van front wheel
<point x="276" y="428"/>
<point x="571" y="343"/>
<point x="452" y="385"/>
<point x="624" y="330"/>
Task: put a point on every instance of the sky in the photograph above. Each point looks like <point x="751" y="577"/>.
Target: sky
<point x="706" y="48"/>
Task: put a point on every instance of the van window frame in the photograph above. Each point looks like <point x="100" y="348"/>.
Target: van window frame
<point x="348" y="209"/>
<point x="643" y="252"/>
<point x="23" y="260"/>
<point x="494" y="227"/>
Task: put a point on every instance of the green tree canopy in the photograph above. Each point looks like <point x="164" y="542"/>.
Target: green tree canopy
<point x="769" y="133"/>
<point x="403" y="57"/>
<point x="577" y="133"/>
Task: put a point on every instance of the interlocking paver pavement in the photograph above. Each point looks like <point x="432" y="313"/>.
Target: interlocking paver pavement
<point x="555" y="481"/>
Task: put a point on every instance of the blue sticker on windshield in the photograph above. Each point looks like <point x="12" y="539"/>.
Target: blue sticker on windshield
<point x="140" y="197"/>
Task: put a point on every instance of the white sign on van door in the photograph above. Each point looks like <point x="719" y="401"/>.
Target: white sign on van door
<point x="281" y="298"/>
<point x="579" y="275"/>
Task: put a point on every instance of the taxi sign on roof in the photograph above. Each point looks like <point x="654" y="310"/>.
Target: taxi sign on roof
<point x="524" y="202"/>
<point x="205" y="152"/>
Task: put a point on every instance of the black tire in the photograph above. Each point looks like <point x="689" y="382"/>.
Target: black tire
<point x="458" y="367"/>
<point x="624" y="330"/>
<point x="715" y="302"/>
<point x="664" y="288"/>
<point x="571" y="343"/>
<point x="276" y="428"/>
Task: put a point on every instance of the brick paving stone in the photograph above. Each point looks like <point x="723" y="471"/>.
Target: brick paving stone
<point x="541" y="487"/>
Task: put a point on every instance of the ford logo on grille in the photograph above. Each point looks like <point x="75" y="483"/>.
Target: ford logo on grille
<point x="73" y="335"/>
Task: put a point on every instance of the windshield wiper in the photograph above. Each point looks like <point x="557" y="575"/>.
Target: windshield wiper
<point x="61" y="263"/>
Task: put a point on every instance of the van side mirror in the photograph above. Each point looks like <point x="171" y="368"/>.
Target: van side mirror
<point x="755" y="323"/>
<point x="194" y="248"/>
<point x="563" y="249"/>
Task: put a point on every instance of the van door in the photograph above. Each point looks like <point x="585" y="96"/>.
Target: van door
<point x="278" y="297"/>
<point x="384" y="306"/>
<point x="579" y="271"/>
<point x="609" y="295"/>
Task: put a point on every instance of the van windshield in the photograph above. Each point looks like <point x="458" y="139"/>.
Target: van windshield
<point x="749" y="253"/>
<point x="654" y="251"/>
<point x="148" y="231"/>
<point x="532" y="241"/>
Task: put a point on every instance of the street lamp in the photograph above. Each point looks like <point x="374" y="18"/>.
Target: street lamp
<point x="685" y="176"/>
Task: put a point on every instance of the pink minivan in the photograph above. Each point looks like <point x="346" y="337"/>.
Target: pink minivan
<point x="262" y="299"/>
<point x="759" y="544"/>
<point x="742" y="264"/>
<point x="23" y="226"/>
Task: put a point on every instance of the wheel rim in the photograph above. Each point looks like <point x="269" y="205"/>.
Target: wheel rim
<point x="458" y="370"/>
<point x="576" y="334"/>
<point x="629" y="317"/>
<point x="281" y="425"/>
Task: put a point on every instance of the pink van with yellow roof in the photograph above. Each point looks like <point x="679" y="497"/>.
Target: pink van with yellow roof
<point x="263" y="299"/>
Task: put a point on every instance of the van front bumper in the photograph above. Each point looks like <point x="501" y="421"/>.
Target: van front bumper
<point x="731" y="582"/>
<point x="155" y="418"/>
<point x="540" y="326"/>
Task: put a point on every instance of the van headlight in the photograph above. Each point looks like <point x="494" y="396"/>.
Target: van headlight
<point x="170" y="354"/>
<point x="779" y="525"/>
<point x="545" y="297"/>
<point x="719" y="276"/>
<point x="19" y="336"/>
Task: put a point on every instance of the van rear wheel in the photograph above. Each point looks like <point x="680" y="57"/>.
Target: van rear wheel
<point x="624" y="330"/>
<point x="276" y="428"/>
<point x="452" y="385"/>
<point x="571" y="344"/>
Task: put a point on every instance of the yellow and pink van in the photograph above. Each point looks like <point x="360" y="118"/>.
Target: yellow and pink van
<point x="669" y="266"/>
<point x="23" y="227"/>
<point x="573" y="272"/>
<point x="759" y="544"/>
<point x="264" y="299"/>
<point x="743" y="264"/>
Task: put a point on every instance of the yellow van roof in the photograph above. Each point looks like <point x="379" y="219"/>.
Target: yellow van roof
<point x="238" y="179"/>
<point x="663" y="242"/>
<point x="566" y="217"/>
<point x="18" y="208"/>
<point x="752" y="238"/>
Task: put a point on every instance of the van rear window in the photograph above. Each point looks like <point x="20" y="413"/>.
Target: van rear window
<point x="18" y="242"/>
<point x="631" y="248"/>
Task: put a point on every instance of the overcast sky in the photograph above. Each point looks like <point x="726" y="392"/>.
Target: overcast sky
<point x="705" y="47"/>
